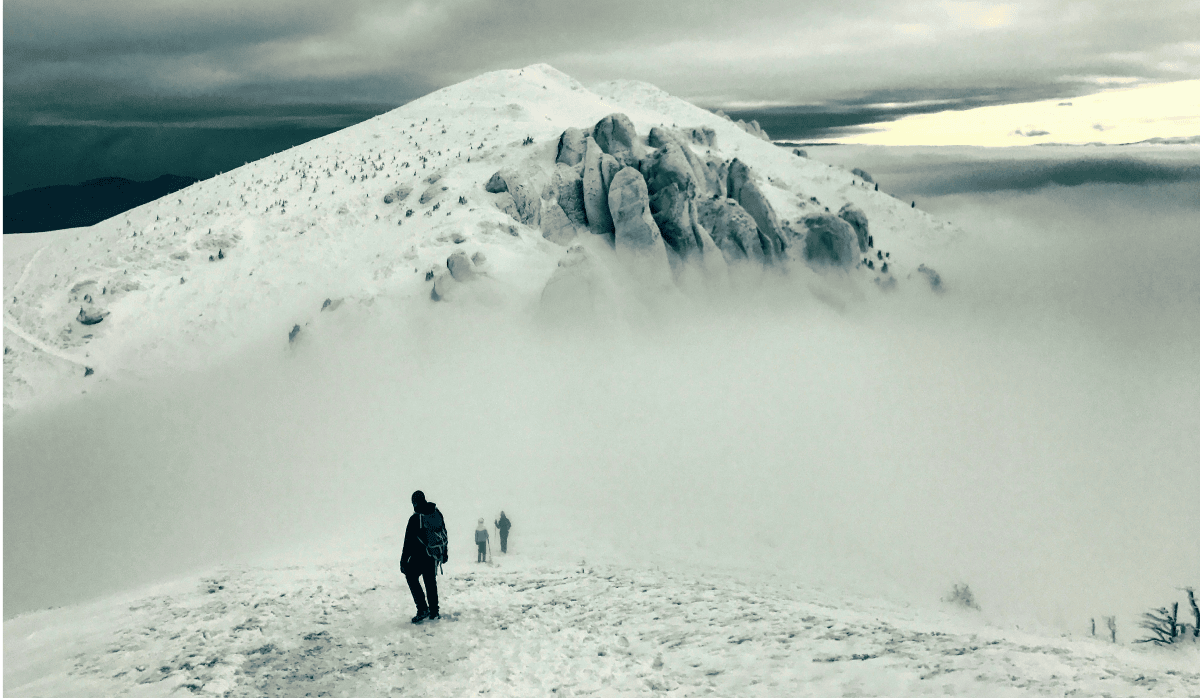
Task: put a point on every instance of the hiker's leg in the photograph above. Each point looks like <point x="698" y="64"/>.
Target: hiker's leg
<point x="431" y="589"/>
<point x="503" y="542"/>
<point x="414" y="585"/>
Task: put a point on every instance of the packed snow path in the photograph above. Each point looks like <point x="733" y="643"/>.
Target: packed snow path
<point x="525" y="628"/>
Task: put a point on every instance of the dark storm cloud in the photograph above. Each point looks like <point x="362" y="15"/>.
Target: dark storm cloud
<point x="227" y="64"/>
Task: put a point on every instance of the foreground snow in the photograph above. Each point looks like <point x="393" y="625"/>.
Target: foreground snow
<point x="532" y="626"/>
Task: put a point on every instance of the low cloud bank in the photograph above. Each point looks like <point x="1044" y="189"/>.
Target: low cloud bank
<point x="1030" y="432"/>
<point x="942" y="171"/>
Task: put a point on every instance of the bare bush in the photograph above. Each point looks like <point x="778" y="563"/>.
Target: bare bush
<point x="961" y="595"/>
<point x="1162" y="624"/>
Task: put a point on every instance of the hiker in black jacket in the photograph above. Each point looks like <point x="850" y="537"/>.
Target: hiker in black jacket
<point x="416" y="562"/>
<point x="503" y="524"/>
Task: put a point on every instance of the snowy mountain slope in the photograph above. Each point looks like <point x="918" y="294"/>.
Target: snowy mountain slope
<point x="537" y="624"/>
<point x="236" y="262"/>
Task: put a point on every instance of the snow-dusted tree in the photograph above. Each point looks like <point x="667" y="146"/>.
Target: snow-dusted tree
<point x="1162" y="624"/>
<point x="1195" y="613"/>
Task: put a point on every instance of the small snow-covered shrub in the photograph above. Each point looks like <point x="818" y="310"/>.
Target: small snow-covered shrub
<point x="961" y="595"/>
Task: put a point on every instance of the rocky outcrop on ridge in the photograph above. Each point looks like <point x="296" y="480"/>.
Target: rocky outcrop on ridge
<point x="616" y="136"/>
<point x="570" y="147"/>
<point x="745" y="190"/>
<point x="637" y="238"/>
<point x="857" y="220"/>
<point x="732" y="230"/>
<point x="598" y="170"/>
<point x="829" y="241"/>
<point x="753" y="128"/>
<point x="671" y="208"/>
<point x="525" y="204"/>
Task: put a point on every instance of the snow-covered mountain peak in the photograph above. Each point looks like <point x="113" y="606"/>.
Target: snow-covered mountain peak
<point x="260" y="255"/>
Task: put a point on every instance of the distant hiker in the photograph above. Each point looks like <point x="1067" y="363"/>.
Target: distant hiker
<point x="503" y="524"/>
<point x="424" y="551"/>
<point x="481" y="539"/>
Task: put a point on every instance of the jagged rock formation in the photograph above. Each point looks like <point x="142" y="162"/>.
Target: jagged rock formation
<point x="598" y="170"/>
<point x="703" y="135"/>
<point x="570" y="147"/>
<point x="732" y="230"/>
<point x="637" y="238"/>
<point x="616" y="136"/>
<point x="753" y="128"/>
<point x="745" y="190"/>
<point x="829" y="241"/>
<point x="526" y="206"/>
<point x="671" y="211"/>
<point x="857" y="220"/>
<point x="566" y="187"/>
<point x="707" y="173"/>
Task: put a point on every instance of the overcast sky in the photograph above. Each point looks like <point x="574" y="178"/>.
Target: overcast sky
<point x="316" y="65"/>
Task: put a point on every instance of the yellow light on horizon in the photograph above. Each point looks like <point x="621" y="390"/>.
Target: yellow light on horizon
<point x="1124" y="115"/>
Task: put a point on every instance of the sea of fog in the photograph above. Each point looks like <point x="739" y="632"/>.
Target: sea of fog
<point x="1031" y="432"/>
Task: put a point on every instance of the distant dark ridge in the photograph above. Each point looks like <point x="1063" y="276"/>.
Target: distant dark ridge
<point x="78" y="205"/>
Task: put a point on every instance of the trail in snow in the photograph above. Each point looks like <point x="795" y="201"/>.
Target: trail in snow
<point x="531" y="627"/>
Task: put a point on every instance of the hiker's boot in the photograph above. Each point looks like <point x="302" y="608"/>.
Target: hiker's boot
<point x="421" y="615"/>
<point x="434" y="615"/>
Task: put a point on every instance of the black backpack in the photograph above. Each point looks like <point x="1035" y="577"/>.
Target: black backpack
<point x="433" y="526"/>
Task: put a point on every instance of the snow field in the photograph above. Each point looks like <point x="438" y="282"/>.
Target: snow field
<point x="534" y="624"/>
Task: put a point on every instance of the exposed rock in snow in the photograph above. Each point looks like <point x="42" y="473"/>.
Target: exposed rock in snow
<point x="638" y="241"/>
<point x="460" y="267"/>
<point x="616" y="136"/>
<point x="829" y="241"/>
<point x="556" y="226"/>
<point x="863" y="174"/>
<point x="703" y="135"/>
<point x="496" y="184"/>
<point x="732" y="229"/>
<point x="857" y="220"/>
<point x="526" y="203"/>
<point x="92" y="316"/>
<point x="432" y="192"/>
<point x="566" y="187"/>
<point x="704" y="173"/>
<point x="397" y="195"/>
<point x="745" y="190"/>
<point x="753" y="129"/>
<point x="595" y="187"/>
<point x="934" y="278"/>
<point x="570" y="147"/>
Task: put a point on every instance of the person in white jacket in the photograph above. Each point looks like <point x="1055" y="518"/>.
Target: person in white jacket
<point x="481" y="539"/>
